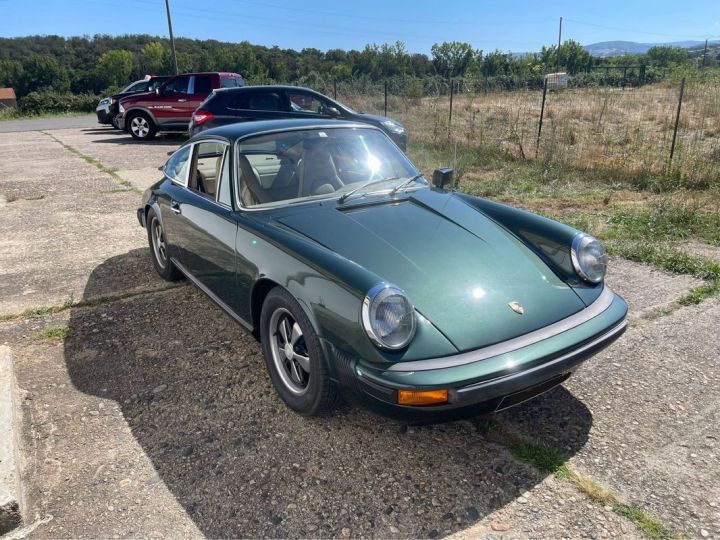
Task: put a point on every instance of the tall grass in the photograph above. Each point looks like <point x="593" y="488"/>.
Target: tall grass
<point x="623" y="134"/>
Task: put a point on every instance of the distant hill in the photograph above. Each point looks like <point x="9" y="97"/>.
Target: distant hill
<point x="617" y="48"/>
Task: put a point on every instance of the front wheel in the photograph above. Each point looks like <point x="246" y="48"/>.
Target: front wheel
<point x="293" y="356"/>
<point x="159" y="248"/>
<point x="141" y="127"/>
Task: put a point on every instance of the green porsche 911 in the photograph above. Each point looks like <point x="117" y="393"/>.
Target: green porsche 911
<point x="360" y="278"/>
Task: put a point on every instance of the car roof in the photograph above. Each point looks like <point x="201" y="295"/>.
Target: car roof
<point x="239" y="130"/>
<point x="269" y="87"/>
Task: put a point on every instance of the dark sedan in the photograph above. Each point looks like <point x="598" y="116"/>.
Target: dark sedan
<point x="360" y="278"/>
<point x="227" y="106"/>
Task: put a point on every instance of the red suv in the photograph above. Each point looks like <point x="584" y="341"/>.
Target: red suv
<point x="171" y="106"/>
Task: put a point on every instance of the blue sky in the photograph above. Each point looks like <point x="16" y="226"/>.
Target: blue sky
<point x="324" y="24"/>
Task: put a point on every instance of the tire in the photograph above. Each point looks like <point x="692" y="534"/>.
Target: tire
<point x="311" y="392"/>
<point x="158" y="249"/>
<point x="141" y="127"/>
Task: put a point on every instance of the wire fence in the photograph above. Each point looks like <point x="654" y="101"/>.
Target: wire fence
<point x="629" y="129"/>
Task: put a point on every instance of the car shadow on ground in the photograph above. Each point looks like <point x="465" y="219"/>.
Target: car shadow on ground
<point x="193" y="388"/>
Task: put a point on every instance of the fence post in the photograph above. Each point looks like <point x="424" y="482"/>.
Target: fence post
<point x="642" y="74"/>
<point x="542" y="113"/>
<point x="385" y="97"/>
<point x="334" y="88"/>
<point x="452" y="87"/>
<point x="677" y="119"/>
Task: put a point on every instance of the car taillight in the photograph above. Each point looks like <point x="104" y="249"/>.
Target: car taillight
<point x="200" y="117"/>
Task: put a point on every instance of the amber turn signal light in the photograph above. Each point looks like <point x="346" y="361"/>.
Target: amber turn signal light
<point x="422" y="397"/>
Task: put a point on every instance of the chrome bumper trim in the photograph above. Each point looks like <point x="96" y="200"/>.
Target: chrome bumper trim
<point x="593" y="310"/>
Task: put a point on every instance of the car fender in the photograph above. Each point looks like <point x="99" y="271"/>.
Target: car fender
<point x="330" y="289"/>
<point x="140" y="108"/>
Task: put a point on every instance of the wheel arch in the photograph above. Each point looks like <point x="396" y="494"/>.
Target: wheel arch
<point x="129" y="113"/>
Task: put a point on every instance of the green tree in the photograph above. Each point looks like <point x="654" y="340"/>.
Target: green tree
<point x="666" y="56"/>
<point x="114" y="67"/>
<point x="452" y="58"/>
<point x="154" y="58"/>
<point x="43" y="72"/>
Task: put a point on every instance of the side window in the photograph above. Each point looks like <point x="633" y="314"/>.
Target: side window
<point x="305" y="103"/>
<point x="179" y="85"/>
<point x="203" y="84"/>
<point x="228" y="82"/>
<point x="224" y="196"/>
<point x="256" y="101"/>
<point x="139" y="87"/>
<point x="205" y="171"/>
<point x="177" y="166"/>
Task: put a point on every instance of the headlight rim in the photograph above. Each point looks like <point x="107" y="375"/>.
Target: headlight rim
<point x="575" y="256"/>
<point x="370" y="297"/>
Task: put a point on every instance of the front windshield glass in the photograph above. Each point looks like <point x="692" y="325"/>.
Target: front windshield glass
<point x="299" y="165"/>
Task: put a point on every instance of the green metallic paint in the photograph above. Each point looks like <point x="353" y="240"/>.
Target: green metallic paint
<point x="459" y="278"/>
<point x="549" y="239"/>
<point x="466" y="374"/>
<point x="461" y="259"/>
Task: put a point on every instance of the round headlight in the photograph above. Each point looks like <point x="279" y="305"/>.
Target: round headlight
<point x="388" y="317"/>
<point x="589" y="258"/>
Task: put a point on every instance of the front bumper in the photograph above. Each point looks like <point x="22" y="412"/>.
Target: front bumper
<point x="103" y="116"/>
<point x="480" y="381"/>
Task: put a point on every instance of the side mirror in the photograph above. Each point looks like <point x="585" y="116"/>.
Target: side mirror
<point x="331" y="111"/>
<point x="443" y="177"/>
<point x="161" y="168"/>
<point x="157" y="90"/>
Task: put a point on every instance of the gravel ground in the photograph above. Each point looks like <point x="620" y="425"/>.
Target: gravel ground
<point x="155" y="417"/>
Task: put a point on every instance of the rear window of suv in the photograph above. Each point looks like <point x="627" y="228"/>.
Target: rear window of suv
<point x="231" y="82"/>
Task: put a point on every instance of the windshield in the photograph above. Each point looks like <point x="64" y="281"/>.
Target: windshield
<point x="299" y="165"/>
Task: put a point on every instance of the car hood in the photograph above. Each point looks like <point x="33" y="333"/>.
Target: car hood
<point x="459" y="268"/>
<point x="378" y="118"/>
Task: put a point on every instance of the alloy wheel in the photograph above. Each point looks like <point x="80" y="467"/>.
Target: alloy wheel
<point x="289" y="351"/>
<point x="158" y="242"/>
<point x="139" y="126"/>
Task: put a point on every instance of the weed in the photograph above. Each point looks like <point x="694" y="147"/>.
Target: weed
<point x="55" y="333"/>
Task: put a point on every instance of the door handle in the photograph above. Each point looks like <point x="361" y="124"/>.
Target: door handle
<point x="175" y="207"/>
<point x="182" y="100"/>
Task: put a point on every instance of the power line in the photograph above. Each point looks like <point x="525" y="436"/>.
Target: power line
<point x="673" y="36"/>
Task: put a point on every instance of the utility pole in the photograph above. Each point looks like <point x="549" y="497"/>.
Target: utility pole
<point x="705" y="52"/>
<point x="557" y="67"/>
<point x="172" y="39"/>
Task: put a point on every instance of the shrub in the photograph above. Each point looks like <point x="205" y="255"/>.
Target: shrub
<point x="57" y="102"/>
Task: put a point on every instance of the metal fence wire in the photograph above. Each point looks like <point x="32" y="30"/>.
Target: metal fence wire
<point x="630" y="128"/>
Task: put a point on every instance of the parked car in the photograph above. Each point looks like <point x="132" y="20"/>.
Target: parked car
<point x="273" y="102"/>
<point x="107" y="109"/>
<point x="360" y="278"/>
<point x="171" y="105"/>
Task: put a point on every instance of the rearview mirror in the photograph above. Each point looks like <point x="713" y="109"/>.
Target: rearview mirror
<point x="443" y="177"/>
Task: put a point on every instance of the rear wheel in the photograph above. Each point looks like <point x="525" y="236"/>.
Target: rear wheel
<point x="159" y="248"/>
<point x="293" y="356"/>
<point x="141" y="127"/>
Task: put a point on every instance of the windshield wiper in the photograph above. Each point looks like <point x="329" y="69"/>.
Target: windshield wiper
<point x="344" y="197"/>
<point x="405" y="183"/>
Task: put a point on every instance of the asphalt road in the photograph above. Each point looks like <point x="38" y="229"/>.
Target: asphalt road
<point x="51" y="122"/>
<point x="147" y="412"/>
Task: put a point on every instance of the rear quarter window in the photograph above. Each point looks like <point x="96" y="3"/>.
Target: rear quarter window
<point x="256" y="101"/>
<point x="231" y="82"/>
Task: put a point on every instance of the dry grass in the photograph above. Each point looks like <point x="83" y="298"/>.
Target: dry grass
<point x="627" y="133"/>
